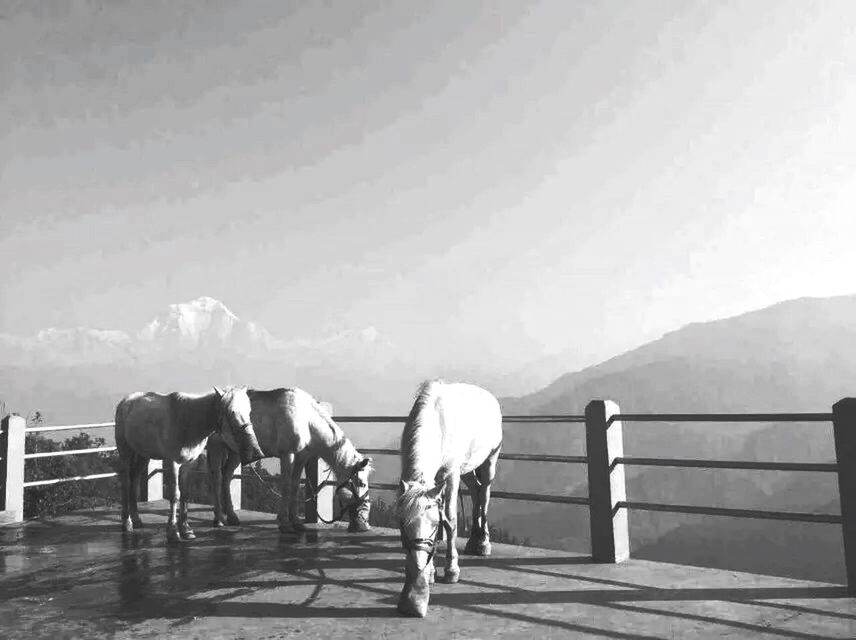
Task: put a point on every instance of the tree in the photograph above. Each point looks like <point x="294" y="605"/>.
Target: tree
<point x="53" y="499"/>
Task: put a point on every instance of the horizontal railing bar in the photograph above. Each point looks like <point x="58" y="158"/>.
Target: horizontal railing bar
<point x="538" y="497"/>
<point x="66" y="427"/>
<point x="535" y="457"/>
<point x="402" y="419"/>
<point x="503" y="456"/>
<point x="507" y="495"/>
<point x="722" y="417"/>
<point x="381" y="452"/>
<point x="737" y="513"/>
<point x="370" y="418"/>
<point x="545" y="418"/>
<point x="94" y="476"/>
<point x="52" y="454"/>
<point x="728" y="464"/>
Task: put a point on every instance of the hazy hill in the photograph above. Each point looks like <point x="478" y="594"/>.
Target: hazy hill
<point x="794" y="356"/>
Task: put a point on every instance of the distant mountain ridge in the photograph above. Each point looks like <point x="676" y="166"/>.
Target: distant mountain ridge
<point x="204" y="325"/>
<point x="807" y="343"/>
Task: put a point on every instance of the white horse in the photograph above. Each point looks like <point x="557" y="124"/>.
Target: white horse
<point x="453" y="433"/>
<point x="292" y="425"/>
<point x="175" y="428"/>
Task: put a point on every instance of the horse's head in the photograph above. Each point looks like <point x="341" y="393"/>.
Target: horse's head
<point x="235" y="425"/>
<point x="420" y="511"/>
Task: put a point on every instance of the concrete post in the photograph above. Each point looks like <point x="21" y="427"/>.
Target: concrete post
<point x="317" y="471"/>
<point x="610" y="536"/>
<point x="12" y="437"/>
<point x="151" y="487"/>
<point x="236" y="485"/>
<point x="844" y="433"/>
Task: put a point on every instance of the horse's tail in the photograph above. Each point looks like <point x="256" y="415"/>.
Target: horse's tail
<point x="119" y="425"/>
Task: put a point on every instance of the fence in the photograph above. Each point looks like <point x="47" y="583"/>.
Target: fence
<point x="607" y="500"/>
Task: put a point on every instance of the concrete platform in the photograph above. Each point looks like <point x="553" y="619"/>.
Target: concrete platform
<point x="80" y="576"/>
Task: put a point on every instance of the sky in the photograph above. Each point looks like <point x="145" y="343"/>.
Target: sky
<point x="482" y="182"/>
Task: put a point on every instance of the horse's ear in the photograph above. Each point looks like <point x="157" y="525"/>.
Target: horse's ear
<point x="402" y="486"/>
<point x="220" y="393"/>
<point x="362" y="464"/>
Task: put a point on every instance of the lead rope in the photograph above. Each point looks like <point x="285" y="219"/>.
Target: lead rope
<point x="314" y="494"/>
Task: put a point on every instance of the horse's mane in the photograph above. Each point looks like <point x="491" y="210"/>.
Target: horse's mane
<point x="344" y="455"/>
<point x="413" y="428"/>
<point x="408" y="503"/>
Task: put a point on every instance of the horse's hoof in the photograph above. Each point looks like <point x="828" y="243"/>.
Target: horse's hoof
<point x="233" y="521"/>
<point x="138" y="524"/>
<point x="413" y="608"/>
<point x="217" y="523"/>
<point x="288" y="527"/>
<point x="127" y="526"/>
<point x="187" y="534"/>
<point x="358" y="526"/>
<point x="451" y="575"/>
<point x="172" y="535"/>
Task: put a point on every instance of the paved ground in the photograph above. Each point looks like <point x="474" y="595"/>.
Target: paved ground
<point x="79" y="576"/>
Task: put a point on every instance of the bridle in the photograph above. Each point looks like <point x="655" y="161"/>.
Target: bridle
<point x="347" y="483"/>
<point x="428" y="544"/>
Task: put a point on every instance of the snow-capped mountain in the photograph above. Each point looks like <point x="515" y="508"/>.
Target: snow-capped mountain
<point x="204" y="323"/>
<point x="204" y="327"/>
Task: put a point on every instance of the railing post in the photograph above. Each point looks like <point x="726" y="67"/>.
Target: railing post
<point x="317" y="472"/>
<point x="152" y="486"/>
<point x="12" y="438"/>
<point x="610" y="537"/>
<point x="844" y="432"/>
<point x="236" y="485"/>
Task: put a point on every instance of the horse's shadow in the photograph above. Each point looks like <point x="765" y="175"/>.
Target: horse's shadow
<point x="141" y="577"/>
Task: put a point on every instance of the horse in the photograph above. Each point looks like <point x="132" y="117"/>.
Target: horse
<point x="453" y="433"/>
<point x="293" y="426"/>
<point x="175" y="428"/>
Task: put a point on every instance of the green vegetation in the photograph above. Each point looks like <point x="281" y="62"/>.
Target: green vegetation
<point x="49" y="500"/>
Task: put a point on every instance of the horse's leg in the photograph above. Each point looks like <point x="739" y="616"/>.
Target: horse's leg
<point x="486" y="473"/>
<point x="286" y="472"/>
<point x="138" y="469"/>
<point x="232" y="462"/>
<point x="297" y="466"/>
<point x="184" y="529"/>
<point x="170" y="477"/>
<point x="214" y="459"/>
<point x="474" y="486"/>
<point x="125" y="489"/>
<point x="452" y="570"/>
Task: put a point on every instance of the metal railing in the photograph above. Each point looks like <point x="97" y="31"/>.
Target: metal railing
<point x="561" y="459"/>
<point x="691" y="463"/>
<point x="68" y="452"/>
<point x="606" y="460"/>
